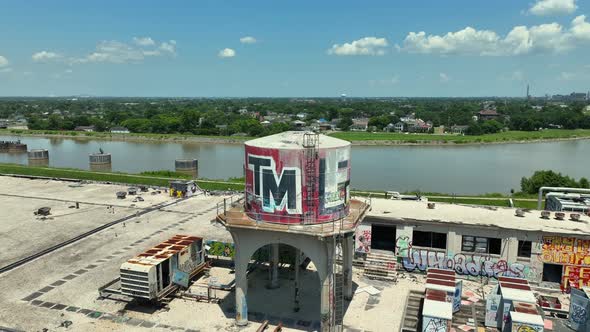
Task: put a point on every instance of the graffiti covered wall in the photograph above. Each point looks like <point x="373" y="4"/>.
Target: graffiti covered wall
<point x="277" y="184"/>
<point x="362" y="239"/>
<point x="565" y="250"/>
<point x="414" y="259"/>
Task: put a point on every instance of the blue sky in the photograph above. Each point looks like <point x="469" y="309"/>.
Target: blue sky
<point x="294" y="48"/>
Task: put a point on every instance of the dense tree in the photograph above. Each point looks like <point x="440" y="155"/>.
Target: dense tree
<point x="549" y="179"/>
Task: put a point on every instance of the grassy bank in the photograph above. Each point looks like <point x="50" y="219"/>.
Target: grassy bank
<point x="359" y="138"/>
<point x="136" y="179"/>
<point x="503" y="137"/>
<point x="162" y="179"/>
<point x="126" y="137"/>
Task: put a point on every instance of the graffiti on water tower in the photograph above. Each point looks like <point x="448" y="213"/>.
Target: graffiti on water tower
<point x="278" y="183"/>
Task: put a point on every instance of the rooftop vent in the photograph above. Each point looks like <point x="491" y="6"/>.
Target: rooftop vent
<point x="559" y="215"/>
<point x="519" y="212"/>
<point x="431" y="205"/>
<point x="575" y="216"/>
<point x="545" y="214"/>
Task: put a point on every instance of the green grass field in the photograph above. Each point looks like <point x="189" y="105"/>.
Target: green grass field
<point x="162" y="179"/>
<point x="108" y="135"/>
<point x="508" y="136"/>
<point x="150" y="180"/>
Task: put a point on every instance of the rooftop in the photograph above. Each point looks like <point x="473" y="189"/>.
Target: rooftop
<point x="502" y="218"/>
<point x="294" y="140"/>
<point x="164" y="250"/>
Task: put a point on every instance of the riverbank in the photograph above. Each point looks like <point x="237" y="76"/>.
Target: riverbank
<point x="162" y="181"/>
<point x="134" y="179"/>
<point x="356" y="138"/>
<point x="548" y="135"/>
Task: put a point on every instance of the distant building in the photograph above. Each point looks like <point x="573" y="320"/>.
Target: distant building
<point x="88" y="129"/>
<point x="361" y="124"/>
<point x="439" y="130"/>
<point x="298" y="124"/>
<point x="301" y="115"/>
<point x="488" y="114"/>
<point x="460" y="130"/>
<point x="395" y="127"/>
<point x="119" y="130"/>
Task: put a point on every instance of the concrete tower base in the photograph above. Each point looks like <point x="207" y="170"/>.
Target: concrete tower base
<point x="319" y="249"/>
<point x="322" y="243"/>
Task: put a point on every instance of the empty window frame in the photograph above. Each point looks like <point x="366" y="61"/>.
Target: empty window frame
<point x="481" y="245"/>
<point x="429" y="240"/>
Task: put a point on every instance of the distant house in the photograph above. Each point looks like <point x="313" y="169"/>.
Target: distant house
<point x="439" y="130"/>
<point x="265" y="123"/>
<point x="361" y="124"/>
<point x="325" y="126"/>
<point x="420" y="127"/>
<point x="395" y="127"/>
<point x="460" y="130"/>
<point x="298" y="124"/>
<point x="87" y="129"/>
<point x="119" y="130"/>
<point x="301" y="115"/>
<point x="487" y="114"/>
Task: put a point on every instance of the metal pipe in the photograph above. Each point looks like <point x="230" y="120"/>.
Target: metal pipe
<point x="560" y="189"/>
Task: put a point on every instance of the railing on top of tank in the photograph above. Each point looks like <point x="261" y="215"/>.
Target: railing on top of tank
<point x="228" y="203"/>
<point x="333" y="226"/>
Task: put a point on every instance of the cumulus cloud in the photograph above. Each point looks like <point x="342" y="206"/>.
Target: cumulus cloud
<point x="544" y="38"/>
<point x="363" y="46"/>
<point x="45" y="56"/>
<point x="517" y="75"/>
<point x="144" y="41"/>
<point x="118" y="52"/>
<point x="553" y="7"/>
<point x="226" y="53"/>
<point x="248" y="40"/>
<point x="3" y="61"/>
<point x="443" y="78"/>
<point x="567" y="76"/>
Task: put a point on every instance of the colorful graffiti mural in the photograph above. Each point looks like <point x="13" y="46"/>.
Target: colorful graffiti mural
<point x="464" y="264"/>
<point x="526" y="328"/>
<point x="277" y="181"/>
<point x="222" y="249"/>
<point x="565" y="250"/>
<point x="363" y="239"/>
<point x="432" y="324"/>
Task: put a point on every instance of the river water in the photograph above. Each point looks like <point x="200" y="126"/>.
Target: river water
<point x="470" y="169"/>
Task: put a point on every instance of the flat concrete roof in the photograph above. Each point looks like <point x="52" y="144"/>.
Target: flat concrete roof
<point x="470" y="215"/>
<point x="294" y="140"/>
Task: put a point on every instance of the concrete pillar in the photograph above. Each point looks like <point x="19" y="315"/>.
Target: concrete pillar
<point x="347" y="253"/>
<point x="326" y="303"/>
<point x="327" y="294"/>
<point x="274" y="265"/>
<point x="241" y="266"/>
<point x="297" y="267"/>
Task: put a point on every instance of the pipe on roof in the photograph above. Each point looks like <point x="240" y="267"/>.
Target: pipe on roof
<point x="561" y="189"/>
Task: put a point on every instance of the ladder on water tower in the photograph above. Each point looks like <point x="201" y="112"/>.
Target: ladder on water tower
<point x="311" y="142"/>
<point x="338" y="284"/>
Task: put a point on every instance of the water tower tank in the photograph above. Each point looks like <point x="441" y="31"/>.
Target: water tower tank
<point x="297" y="178"/>
<point x="100" y="161"/>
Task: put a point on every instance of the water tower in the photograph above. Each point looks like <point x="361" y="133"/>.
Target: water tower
<point x="298" y="193"/>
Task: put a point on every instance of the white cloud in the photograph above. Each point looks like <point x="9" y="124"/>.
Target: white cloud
<point x="6" y="70"/>
<point x="68" y="71"/>
<point x="363" y="46"/>
<point x="567" y="76"/>
<point x="391" y="81"/>
<point x="226" y="53"/>
<point x="3" y="61"/>
<point x="444" y="78"/>
<point x="248" y="40"/>
<point x="45" y="56"/>
<point x="118" y="52"/>
<point x="168" y="47"/>
<point x="553" y="7"/>
<point x="144" y="41"/>
<point x="517" y="76"/>
<point x="544" y="38"/>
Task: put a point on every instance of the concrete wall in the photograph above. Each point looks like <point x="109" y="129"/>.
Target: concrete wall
<point x="545" y="248"/>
